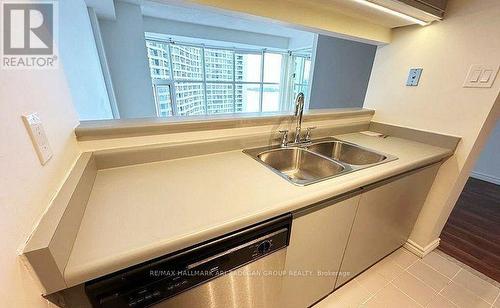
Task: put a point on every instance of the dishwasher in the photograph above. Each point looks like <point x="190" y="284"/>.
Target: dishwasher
<point x="240" y="269"/>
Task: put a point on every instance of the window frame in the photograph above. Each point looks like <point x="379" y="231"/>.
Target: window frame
<point x="261" y="83"/>
<point x="301" y="81"/>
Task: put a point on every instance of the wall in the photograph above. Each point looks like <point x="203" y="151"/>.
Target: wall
<point x="26" y="187"/>
<point x="304" y="15"/>
<point x="445" y="50"/>
<point x="128" y="63"/>
<point x="341" y="73"/>
<point x="487" y="167"/>
<point x="157" y="25"/>
<point x="86" y="82"/>
<point x="301" y="42"/>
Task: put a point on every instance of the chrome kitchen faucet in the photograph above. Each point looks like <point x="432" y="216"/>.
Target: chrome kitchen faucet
<point x="298" y="140"/>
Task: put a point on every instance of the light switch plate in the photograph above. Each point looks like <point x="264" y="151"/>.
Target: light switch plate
<point x="481" y="76"/>
<point x="414" y="77"/>
<point x="38" y="137"/>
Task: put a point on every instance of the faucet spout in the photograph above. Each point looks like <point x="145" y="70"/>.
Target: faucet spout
<point x="299" y="110"/>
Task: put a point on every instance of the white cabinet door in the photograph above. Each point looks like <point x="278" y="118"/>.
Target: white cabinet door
<point x="386" y="216"/>
<point x="317" y="242"/>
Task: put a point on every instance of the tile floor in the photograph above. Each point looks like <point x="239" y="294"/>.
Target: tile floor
<point x="404" y="280"/>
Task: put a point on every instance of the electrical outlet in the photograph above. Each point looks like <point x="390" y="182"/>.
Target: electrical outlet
<point x="414" y="77"/>
<point x="481" y="76"/>
<point x="38" y="137"/>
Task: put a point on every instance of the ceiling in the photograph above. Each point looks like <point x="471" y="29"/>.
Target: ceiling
<point x="218" y="19"/>
<point x="103" y="8"/>
<point x="347" y="7"/>
<point x="354" y="9"/>
<point x="184" y="11"/>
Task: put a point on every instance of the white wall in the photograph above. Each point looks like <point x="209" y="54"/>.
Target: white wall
<point x="126" y="53"/>
<point x="165" y="26"/>
<point x="81" y="62"/>
<point x="26" y="187"/>
<point x="487" y="167"/>
<point x="445" y="50"/>
<point x="301" y="41"/>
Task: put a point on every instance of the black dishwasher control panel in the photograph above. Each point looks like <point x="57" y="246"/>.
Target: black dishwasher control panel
<point x="151" y="282"/>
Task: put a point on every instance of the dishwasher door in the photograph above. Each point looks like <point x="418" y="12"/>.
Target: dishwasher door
<point x="255" y="285"/>
<point x="240" y="269"/>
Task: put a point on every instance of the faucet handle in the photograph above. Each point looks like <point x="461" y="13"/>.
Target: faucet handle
<point x="308" y="133"/>
<point x="284" y="137"/>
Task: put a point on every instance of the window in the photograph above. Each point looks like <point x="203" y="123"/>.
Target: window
<point x="301" y="72"/>
<point x="158" y="60"/>
<point x="163" y="101"/>
<point x="199" y="80"/>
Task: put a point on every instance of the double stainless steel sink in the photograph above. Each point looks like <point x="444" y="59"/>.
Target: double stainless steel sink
<point x="317" y="160"/>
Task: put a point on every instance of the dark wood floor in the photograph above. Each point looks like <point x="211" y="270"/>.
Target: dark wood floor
<point x="472" y="233"/>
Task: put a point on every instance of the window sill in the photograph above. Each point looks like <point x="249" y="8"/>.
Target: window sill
<point x="108" y="129"/>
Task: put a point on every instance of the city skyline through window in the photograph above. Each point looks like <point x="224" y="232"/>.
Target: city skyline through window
<point x="197" y="80"/>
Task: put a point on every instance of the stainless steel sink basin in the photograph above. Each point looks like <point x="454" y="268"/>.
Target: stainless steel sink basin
<point x="299" y="165"/>
<point x="318" y="160"/>
<point x="347" y="153"/>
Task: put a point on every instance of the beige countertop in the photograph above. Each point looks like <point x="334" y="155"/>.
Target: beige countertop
<point x="139" y="212"/>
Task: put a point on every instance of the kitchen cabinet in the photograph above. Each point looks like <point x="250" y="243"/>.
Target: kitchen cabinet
<point x="386" y="214"/>
<point x="318" y="238"/>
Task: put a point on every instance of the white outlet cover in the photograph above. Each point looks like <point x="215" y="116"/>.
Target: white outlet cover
<point x="414" y="77"/>
<point x="37" y="134"/>
<point x="481" y="76"/>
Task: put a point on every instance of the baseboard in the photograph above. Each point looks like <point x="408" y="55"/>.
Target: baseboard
<point x="485" y="177"/>
<point x="420" y="251"/>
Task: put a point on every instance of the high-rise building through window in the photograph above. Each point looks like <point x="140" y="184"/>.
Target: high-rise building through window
<point x="197" y="80"/>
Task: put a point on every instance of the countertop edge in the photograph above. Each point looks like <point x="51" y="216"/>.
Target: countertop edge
<point x="109" y="129"/>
